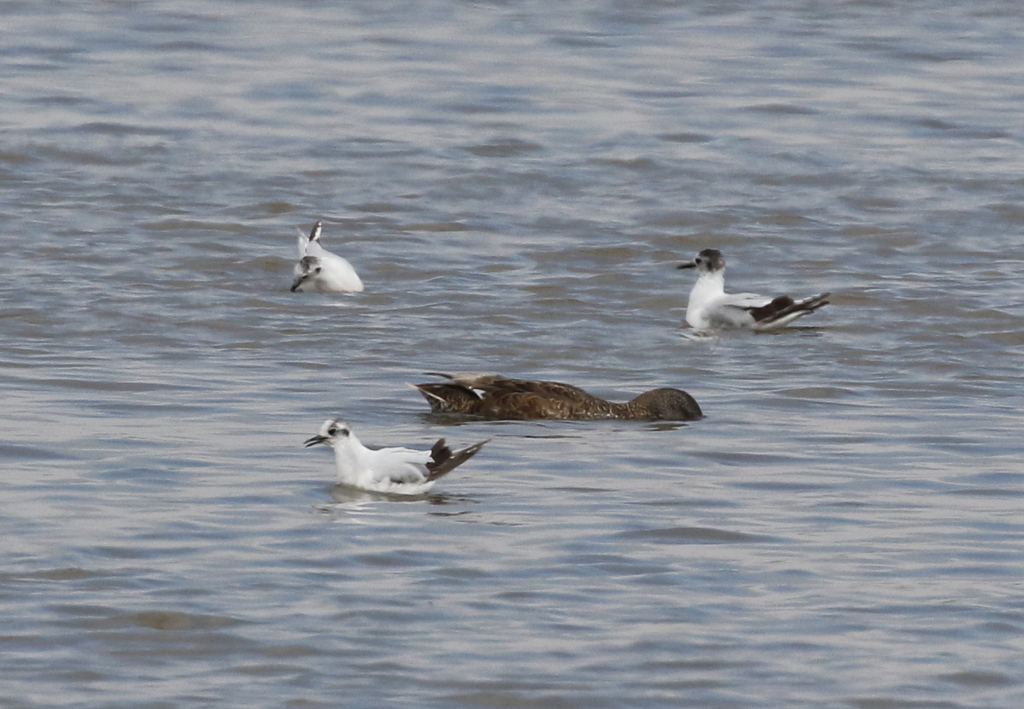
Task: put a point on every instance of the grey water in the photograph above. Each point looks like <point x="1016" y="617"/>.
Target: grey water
<point x="516" y="183"/>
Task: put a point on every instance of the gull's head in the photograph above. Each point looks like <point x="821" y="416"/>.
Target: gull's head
<point x="707" y="261"/>
<point x="333" y="433"/>
<point x="308" y="267"/>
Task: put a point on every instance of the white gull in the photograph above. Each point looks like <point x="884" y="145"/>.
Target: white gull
<point x="401" y="471"/>
<point x="320" y="271"/>
<point x="711" y="308"/>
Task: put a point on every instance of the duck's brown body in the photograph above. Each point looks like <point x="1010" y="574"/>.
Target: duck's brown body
<point x="495" y="397"/>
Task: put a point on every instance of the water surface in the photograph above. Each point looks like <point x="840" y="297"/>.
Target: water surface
<point x="516" y="183"/>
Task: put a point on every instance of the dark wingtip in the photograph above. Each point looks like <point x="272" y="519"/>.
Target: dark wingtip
<point x="314" y="232"/>
<point x="444" y="460"/>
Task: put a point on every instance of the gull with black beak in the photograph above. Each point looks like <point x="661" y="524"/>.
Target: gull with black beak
<point x="400" y="471"/>
<point x="320" y="271"/>
<point x="711" y="308"/>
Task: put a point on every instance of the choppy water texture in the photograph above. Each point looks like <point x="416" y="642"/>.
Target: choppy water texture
<point x="515" y="182"/>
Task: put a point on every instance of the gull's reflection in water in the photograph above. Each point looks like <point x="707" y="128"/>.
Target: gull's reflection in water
<point x="352" y="502"/>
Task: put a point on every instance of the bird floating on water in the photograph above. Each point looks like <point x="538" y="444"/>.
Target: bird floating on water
<point x="402" y="471"/>
<point x="711" y="308"/>
<point x="320" y="271"/>
<point x="496" y="397"/>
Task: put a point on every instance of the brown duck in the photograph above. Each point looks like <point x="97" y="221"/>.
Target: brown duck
<point x="495" y="397"/>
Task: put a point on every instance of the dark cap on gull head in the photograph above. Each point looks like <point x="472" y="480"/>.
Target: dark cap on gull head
<point x="493" y="396"/>
<point x="332" y="428"/>
<point x="707" y="260"/>
<point x="307" y="267"/>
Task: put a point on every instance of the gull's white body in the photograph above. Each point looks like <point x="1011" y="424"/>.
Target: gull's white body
<point x="711" y="308"/>
<point x="320" y="271"/>
<point x="385" y="470"/>
<point x="402" y="471"/>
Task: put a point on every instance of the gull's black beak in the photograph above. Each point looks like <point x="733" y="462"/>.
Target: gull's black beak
<point x="691" y="264"/>
<point x="299" y="281"/>
<point x="314" y="440"/>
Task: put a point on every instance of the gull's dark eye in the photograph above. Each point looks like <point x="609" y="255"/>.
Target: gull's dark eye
<point x="331" y="431"/>
<point x="698" y="260"/>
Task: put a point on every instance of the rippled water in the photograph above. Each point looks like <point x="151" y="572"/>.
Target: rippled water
<point x="515" y="182"/>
